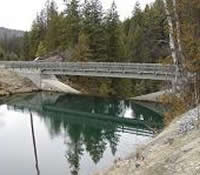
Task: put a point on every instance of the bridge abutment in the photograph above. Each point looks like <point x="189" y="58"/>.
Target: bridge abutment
<point x="46" y="82"/>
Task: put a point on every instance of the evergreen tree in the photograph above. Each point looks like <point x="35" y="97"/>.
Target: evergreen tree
<point x="38" y="32"/>
<point x="53" y="25"/>
<point x="82" y="51"/>
<point x="147" y="39"/>
<point x="136" y="34"/>
<point x="2" y="54"/>
<point x="112" y="27"/>
<point x="189" y="15"/>
<point x="124" y="38"/>
<point x="122" y="87"/>
<point x="42" y="50"/>
<point x="72" y="22"/>
<point x="93" y="27"/>
<point x="155" y="33"/>
<point x="26" y="47"/>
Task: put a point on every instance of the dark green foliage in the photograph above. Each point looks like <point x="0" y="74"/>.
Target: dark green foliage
<point x="2" y="54"/>
<point x="82" y="50"/>
<point x="93" y="35"/>
<point x="26" y="46"/>
<point x="53" y="21"/>
<point x="42" y="49"/>
<point x="87" y="33"/>
<point x="142" y="38"/>
<point x="112" y="28"/>
<point x="122" y="87"/>
<point x="72" y="22"/>
<point x="93" y="27"/>
<point x="147" y="39"/>
<point x="105" y="88"/>
<point x="11" y="48"/>
<point x="146" y="86"/>
<point x="36" y="35"/>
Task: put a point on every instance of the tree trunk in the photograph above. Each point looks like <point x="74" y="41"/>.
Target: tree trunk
<point x="171" y="34"/>
<point x="172" y="44"/>
<point x="178" y="34"/>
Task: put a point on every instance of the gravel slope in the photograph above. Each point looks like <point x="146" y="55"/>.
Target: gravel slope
<point x="176" y="151"/>
<point x="11" y="83"/>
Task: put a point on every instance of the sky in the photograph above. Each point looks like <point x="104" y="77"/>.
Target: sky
<point x="19" y="14"/>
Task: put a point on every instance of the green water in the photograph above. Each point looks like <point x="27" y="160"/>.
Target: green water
<point x="58" y="134"/>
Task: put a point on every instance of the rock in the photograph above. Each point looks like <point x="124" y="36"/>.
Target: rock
<point x="169" y="141"/>
<point x="11" y="83"/>
<point x="137" y="165"/>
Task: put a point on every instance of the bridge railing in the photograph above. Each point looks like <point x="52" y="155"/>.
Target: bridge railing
<point x="95" y="69"/>
<point x="87" y="65"/>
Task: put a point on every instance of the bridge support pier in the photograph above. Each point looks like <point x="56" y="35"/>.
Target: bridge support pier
<point x="34" y="77"/>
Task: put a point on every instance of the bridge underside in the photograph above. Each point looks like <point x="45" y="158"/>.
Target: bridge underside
<point x="146" y="75"/>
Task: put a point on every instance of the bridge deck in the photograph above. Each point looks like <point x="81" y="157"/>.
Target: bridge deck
<point x="95" y="69"/>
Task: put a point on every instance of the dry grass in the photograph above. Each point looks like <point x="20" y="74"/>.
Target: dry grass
<point x="177" y="106"/>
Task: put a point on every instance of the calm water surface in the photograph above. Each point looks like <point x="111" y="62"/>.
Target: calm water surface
<point x="57" y="134"/>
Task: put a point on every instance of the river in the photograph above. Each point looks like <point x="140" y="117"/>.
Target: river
<point x="59" y="134"/>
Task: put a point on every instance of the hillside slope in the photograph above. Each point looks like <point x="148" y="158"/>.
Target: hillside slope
<point x="10" y="33"/>
<point x="173" y="152"/>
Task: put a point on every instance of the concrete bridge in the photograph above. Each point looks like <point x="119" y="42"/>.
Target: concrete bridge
<point x="95" y="69"/>
<point x="38" y="70"/>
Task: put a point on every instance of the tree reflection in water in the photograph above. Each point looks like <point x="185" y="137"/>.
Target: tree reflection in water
<point x="94" y="135"/>
<point x="92" y="124"/>
<point x="75" y="148"/>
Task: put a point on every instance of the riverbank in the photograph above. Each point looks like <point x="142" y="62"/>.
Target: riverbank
<point x="152" y="97"/>
<point x="174" y="151"/>
<point x="11" y="83"/>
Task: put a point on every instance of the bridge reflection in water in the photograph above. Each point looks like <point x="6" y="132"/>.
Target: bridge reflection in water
<point x="91" y="123"/>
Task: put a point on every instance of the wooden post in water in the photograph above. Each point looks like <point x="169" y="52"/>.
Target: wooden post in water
<point x="34" y="144"/>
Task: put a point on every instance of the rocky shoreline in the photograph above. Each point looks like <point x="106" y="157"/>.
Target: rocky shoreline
<point x="174" y="151"/>
<point x="11" y="83"/>
<point x="152" y="97"/>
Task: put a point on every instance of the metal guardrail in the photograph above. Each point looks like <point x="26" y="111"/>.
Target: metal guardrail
<point x="34" y="64"/>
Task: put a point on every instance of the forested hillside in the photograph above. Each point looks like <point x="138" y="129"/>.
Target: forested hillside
<point x="9" y="33"/>
<point x="87" y="32"/>
<point x="11" y="44"/>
